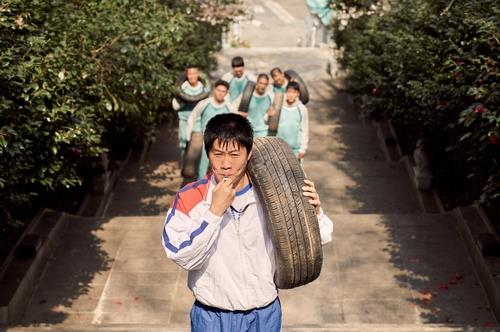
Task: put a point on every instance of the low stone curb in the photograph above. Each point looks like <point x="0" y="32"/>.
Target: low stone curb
<point x="22" y="270"/>
<point x="472" y="224"/>
<point x="429" y="200"/>
<point x="96" y="203"/>
<point x="19" y="276"/>
<point x="389" y="141"/>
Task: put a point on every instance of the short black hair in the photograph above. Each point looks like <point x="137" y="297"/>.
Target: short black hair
<point x="237" y="61"/>
<point x="191" y="65"/>
<point x="228" y="127"/>
<point x="262" y="76"/>
<point x="221" y="82"/>
<point x="275" y="69"/>
<point x="293" y="85"/>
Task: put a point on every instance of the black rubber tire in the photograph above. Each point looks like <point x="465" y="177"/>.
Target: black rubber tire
<point x="291" y="220"/>
<point x="293" y="76"/>
<point x="246" y="97"/>
<point x="188" y="99"/>
<point x="192" y="156"/>
<point x="275" y="119"/>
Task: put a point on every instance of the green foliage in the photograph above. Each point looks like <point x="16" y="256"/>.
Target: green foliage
<point x="80" y="77"/>
<point x="433" y="67"/>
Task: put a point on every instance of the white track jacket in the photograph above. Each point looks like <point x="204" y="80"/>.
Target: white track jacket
<point x="230" y="259"/>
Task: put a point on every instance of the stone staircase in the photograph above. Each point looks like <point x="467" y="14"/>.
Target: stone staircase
<point x="390" y="267"/>
<point x="324" y="328"/>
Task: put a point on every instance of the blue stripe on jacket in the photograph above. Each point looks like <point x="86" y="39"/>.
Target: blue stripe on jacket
<point x="195" y="233"/>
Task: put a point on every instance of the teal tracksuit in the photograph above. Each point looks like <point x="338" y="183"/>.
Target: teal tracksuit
<point x="259" y="105"/>
<point x="293" y="126"/>
<point x="237" y="85"/>
<point x="280" y="88"/>
<point x="203" y="112"/>
<point x="186" y="110"/>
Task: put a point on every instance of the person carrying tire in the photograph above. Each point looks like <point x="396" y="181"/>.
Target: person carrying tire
<point x="204" y="111"/>
<point x="259" y="107"/>
<point x="279" y="80"/>
<point x="237" y="78"/>
<point x="216" y="230"/>
<point x="192" y="86"/>
<point x="293" y="125"/>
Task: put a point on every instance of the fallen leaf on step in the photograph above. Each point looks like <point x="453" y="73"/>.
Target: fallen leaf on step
<point x="426" y="297"/>
<point x="456" y="279"/>
<point x="442" y="286"/>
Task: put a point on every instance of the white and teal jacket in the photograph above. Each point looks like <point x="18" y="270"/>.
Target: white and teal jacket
<point x="280" y="88"/>
<point x="205" y="110"/>
<point x="191" y="91"/>
<point x="293" y="126"/>
<point x="257" y="112"/>
<point x="237" y="85"/>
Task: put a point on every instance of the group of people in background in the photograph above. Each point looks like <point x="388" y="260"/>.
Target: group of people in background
<point x="226" y="96"/>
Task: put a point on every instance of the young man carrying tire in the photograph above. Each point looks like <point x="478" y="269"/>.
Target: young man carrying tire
<point x="259" y="107"/>
<point x="204" y="111"/>
<point x="293" y="125"/>
<point x="216" y="230"/>
<point x="279" y="80"/>
<point x="237" y="78"/>
<point x="191" y="86"/>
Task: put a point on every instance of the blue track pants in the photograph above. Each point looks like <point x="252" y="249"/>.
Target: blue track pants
<point x="208" y="319"/>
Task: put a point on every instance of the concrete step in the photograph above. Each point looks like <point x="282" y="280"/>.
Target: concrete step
<point x="165" y="147"/>
<point x="329" y="106"/>
<point x="323" y="328"/>
<point x="385" y="328"/>
<point x="276" y="23"/>
<point x="359" y="186"/>
<point x="344" y="142"/>
<point x="146" y="189"/>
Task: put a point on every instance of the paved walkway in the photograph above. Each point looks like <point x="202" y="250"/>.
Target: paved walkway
<point x="280" y="23"/>
<point x="390" y="266"/>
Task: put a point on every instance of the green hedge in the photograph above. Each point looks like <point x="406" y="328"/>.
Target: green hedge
<point x="432" y="66"/>
<point x="81" y="77"/>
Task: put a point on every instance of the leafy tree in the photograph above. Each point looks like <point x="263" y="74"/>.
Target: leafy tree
<point x="79" y="78"/>
<point x="432" y="67"/>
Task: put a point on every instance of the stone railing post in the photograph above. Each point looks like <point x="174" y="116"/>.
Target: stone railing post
<point x="423" y="176"/>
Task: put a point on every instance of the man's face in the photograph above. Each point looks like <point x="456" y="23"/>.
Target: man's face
<point x="192" y="75"/>
<point x="261" y="85"/>
<point x="228" y="160"/>
<point x="291" y="95"/>
<point x="238" y="71"/>
<point x="220" y="93"/>
<point x="278" y="77"/>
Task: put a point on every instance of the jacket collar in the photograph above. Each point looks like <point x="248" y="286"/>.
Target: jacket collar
<point x="212" y="183"/>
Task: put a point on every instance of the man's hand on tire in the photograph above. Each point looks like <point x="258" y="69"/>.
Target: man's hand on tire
<point x="310" y="191"/>
<point x="271" y="112"/>
<point x="222" y="197"/>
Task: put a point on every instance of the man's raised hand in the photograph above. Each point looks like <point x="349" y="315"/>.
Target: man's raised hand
<point x="222" y="197"/>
